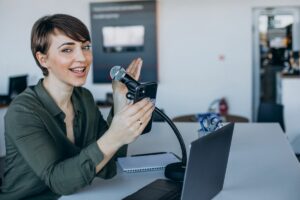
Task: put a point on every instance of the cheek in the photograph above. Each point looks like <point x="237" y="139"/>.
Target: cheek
<point x="89" y="58"/>
<point x="60" y="62"/>
<point x="64" y="62"/>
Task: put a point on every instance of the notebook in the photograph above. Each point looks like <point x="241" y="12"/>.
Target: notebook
<point x="205" y="171"/>
<point x="148" y="162"/>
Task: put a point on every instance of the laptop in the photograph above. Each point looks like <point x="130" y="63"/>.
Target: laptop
<point x="205" y="172"/>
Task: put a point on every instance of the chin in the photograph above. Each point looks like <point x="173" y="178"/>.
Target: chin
<point x="78" y="83"/>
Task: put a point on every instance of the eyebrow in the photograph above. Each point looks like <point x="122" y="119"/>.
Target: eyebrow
<point x="72" y="43"/>
<point x="66" y="43"/>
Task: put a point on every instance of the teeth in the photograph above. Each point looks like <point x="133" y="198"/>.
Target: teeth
<point x="78" y="69"/>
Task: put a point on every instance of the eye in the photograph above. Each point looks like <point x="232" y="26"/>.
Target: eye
<point x="66" y="50"/>
<point x="87" y="47"/>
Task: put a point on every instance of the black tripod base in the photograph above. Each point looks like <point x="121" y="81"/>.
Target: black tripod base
<point x="175" y="171"/>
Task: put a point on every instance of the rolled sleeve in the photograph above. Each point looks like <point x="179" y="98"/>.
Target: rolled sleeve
<point x="94" y="153"/>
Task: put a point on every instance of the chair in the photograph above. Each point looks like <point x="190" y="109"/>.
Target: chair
<point x="185" y="118"/>
<point x="193" y="118"/>
<point x="271" y="112"/>
<point x="235" y="118"/>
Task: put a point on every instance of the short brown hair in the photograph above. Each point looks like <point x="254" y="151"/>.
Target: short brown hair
<point x="45" y="26"/>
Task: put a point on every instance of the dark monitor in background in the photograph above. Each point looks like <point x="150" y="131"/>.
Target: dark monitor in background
<point x="16" y="85"/>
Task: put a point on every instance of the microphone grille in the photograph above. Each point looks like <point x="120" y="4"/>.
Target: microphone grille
<point x="117" y="72"/>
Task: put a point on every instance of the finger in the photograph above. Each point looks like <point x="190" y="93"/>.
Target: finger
<point x="129" y="69"/>
<point x="131" y="109"/>
<point x="137" y="69"/>
<point x="135" y="126"/>
<point x="139" y="116"/>
<point x="143" y="112"/>
<point x="125" y="108"/>
<point x="147" y="116"/>
<point x="134" y="68"/>
<point x="145" y="120"/>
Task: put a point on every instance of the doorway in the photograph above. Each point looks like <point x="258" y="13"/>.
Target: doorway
<point x="275" y="37"/>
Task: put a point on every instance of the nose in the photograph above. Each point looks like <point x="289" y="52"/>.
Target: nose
<point x="80" y="57"/>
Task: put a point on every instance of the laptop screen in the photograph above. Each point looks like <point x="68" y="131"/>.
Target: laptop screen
<point x="207" y="164"/>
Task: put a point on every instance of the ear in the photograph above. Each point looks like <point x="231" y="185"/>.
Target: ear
<point x="42" y="58"/>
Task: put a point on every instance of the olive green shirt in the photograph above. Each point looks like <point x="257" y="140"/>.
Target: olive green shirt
<point x="41" y="162"/>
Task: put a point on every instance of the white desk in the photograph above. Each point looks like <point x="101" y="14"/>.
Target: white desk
<point x="261" y="164"/>
<point x="291" y="102"/>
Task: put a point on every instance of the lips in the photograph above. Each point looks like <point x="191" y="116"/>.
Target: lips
<point x="78" y="69"/>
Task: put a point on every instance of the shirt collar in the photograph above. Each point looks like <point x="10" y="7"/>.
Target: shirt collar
<point x="49" y="102"/>
<point x="76" y="101"/>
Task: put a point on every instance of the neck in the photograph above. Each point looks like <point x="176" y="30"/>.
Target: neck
<point x="59" y="91"/>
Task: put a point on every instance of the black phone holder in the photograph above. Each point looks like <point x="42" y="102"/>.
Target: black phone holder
<point x="142" y="91"/>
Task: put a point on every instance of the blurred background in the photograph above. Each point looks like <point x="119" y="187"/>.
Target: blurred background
<point x="206" y="50"/>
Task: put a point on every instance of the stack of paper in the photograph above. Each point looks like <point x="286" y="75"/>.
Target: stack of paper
<point x="147" y="162"/>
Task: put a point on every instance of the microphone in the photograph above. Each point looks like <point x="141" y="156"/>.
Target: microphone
<point x="119" y="74"/>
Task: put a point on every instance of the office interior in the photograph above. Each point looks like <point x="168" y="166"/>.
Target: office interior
<point x="207" y="50"/>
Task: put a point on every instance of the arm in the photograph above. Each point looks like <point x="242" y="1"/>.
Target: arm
<point x="124" y="129"/>
<point x="121" y="123"/>
<point x="119" y="97"/>
<point x="45" y="155"/>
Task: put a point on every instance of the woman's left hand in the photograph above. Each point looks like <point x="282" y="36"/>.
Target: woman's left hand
<point x="120" y="89"/>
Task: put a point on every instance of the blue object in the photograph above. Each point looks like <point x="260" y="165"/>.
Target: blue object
<point x="209" y="122"/>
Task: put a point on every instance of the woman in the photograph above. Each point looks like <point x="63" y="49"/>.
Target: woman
<point x="56" y="139"/>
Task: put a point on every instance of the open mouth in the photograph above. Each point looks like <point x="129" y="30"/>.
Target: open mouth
<point x="78" y="69"/>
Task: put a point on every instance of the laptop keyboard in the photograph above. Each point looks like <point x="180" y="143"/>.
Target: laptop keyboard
<point x="160" y="189"/>
<point x="172" y="195"/>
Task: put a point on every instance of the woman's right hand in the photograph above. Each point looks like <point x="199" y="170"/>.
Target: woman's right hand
<point x="126" y="126"/>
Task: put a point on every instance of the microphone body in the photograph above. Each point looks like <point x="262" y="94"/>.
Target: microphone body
<point x="118" y="73"/>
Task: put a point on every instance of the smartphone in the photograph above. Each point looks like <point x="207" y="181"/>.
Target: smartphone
<point x="146" y="90"/>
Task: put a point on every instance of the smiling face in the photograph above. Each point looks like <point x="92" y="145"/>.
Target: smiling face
<point x="68" y="61"/>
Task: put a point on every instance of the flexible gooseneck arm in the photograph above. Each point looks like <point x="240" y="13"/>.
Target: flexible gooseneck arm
<point x="177" y="133"/>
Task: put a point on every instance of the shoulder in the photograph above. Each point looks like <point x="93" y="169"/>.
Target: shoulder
<point x="27" y="101"/>
<point x="22" y="112"/>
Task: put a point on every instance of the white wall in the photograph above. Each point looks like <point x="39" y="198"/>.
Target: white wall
<point x="192" y="34"/>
